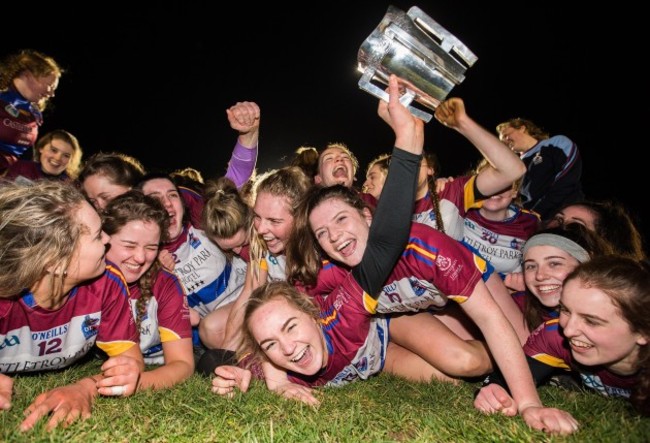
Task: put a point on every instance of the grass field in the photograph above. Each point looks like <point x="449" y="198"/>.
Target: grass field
<point x="383" y="409"/>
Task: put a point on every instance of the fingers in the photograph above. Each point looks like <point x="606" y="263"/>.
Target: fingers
<point x="493" y="398"/>
<point x="243" y="114"/>
<point x="550" y="420"/>
<point x="121" y="375"/>
<point x="230" y="377"/>
<point x="6" y="390"/>
<point x="33" y="414"/>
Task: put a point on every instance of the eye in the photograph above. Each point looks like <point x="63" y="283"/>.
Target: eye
<point x="268" y="346"/>
<point x="529" y="266"/>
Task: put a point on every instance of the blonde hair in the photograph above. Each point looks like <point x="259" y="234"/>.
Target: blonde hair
<point x="38" y="230"/>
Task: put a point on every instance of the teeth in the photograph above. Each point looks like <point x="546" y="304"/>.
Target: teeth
<point x="299" y="356"/>
<point x="549" y="288"/>
<point x="580" y="344"/>
<point x="344" y="245"/>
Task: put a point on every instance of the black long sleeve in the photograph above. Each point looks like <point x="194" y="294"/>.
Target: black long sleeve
<point x="391" y="222"/>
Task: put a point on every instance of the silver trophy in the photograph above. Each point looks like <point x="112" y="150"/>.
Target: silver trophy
<point x="427" y="58"/>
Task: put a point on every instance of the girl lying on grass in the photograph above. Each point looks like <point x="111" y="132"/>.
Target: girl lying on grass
<point x="603" y="334"/>
<point x="335" y="339"/>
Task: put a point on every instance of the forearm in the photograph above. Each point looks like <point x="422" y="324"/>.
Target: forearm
<point x="391" y="223"/>
<point x="166" y="376"/>
<point x="509" y="356"/>
<point x="242" y="163"/>
<point x="506" y="165"/>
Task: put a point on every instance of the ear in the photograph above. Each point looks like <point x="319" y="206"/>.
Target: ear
<point x="642" y="340"/>
<point x="367" y="215"/>
<point x="317" y="179"/>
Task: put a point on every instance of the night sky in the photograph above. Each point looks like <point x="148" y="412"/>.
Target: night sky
<point x="147" y="80"/>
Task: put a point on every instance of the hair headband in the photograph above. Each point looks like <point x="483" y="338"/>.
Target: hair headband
<point x="563" y="243"/>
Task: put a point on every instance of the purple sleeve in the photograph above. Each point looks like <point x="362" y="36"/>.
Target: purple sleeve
<point x="241" y="164"/>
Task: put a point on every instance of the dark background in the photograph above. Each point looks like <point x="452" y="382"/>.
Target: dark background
<point x="157" y="79"/>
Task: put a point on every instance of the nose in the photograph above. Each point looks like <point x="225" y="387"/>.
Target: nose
<point x="138" y="255"/>
<point x="262" y="227"/>
<point x="540" y="274"/>
<point x="334" y="235"/>
<point x="288" y="346"/>
<point x="570" y="326"/>
<point x="167" y="203"/>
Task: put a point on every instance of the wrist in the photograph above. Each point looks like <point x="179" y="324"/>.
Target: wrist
<point x="521" y="408"/>
<point x="90" y="383"/>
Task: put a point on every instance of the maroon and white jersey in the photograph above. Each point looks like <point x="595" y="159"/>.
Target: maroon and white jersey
<point x="432" y="269"/>
<point x="500" y="242"/>
<point x="455" y="200"/>
<point x="548" y="346"/>
<point x="36" y="339"/>
<point x="166" y="318"/>
<point x="356" y="340"/>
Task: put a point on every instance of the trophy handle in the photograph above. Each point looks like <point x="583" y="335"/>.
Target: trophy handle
<point x="365" y="83"/>
<point x="445" y="39"/>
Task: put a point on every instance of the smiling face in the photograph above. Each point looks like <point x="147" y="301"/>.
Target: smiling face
<point x="134" y="248"/>
<point x="545" y="268"/>
<point x="55" y="156"/>
<point x="498" y="202"/>
<point x="596" y="331"/>
<point x="341" y="230"/>
<point x="288" y="337"/>
<point x="335" y="166"/>
<point x="88" y="260"/>
<point x="273" y="221"/>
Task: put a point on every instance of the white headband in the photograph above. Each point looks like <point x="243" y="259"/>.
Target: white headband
<point x="569" y="246"/>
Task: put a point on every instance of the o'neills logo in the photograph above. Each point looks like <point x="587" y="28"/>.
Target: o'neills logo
<point x="15" y="125"/>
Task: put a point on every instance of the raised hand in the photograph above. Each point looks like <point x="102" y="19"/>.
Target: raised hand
<point x="244" y="117"/>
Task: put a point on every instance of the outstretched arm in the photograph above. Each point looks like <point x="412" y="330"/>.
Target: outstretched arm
<point x="509" y="356"/>
<point x="505" y="165"/>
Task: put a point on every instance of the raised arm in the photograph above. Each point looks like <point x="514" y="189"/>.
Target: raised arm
<point x="505" y="165"/>
<point x="244" y="117"/>
<point x="392" y="219"/>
